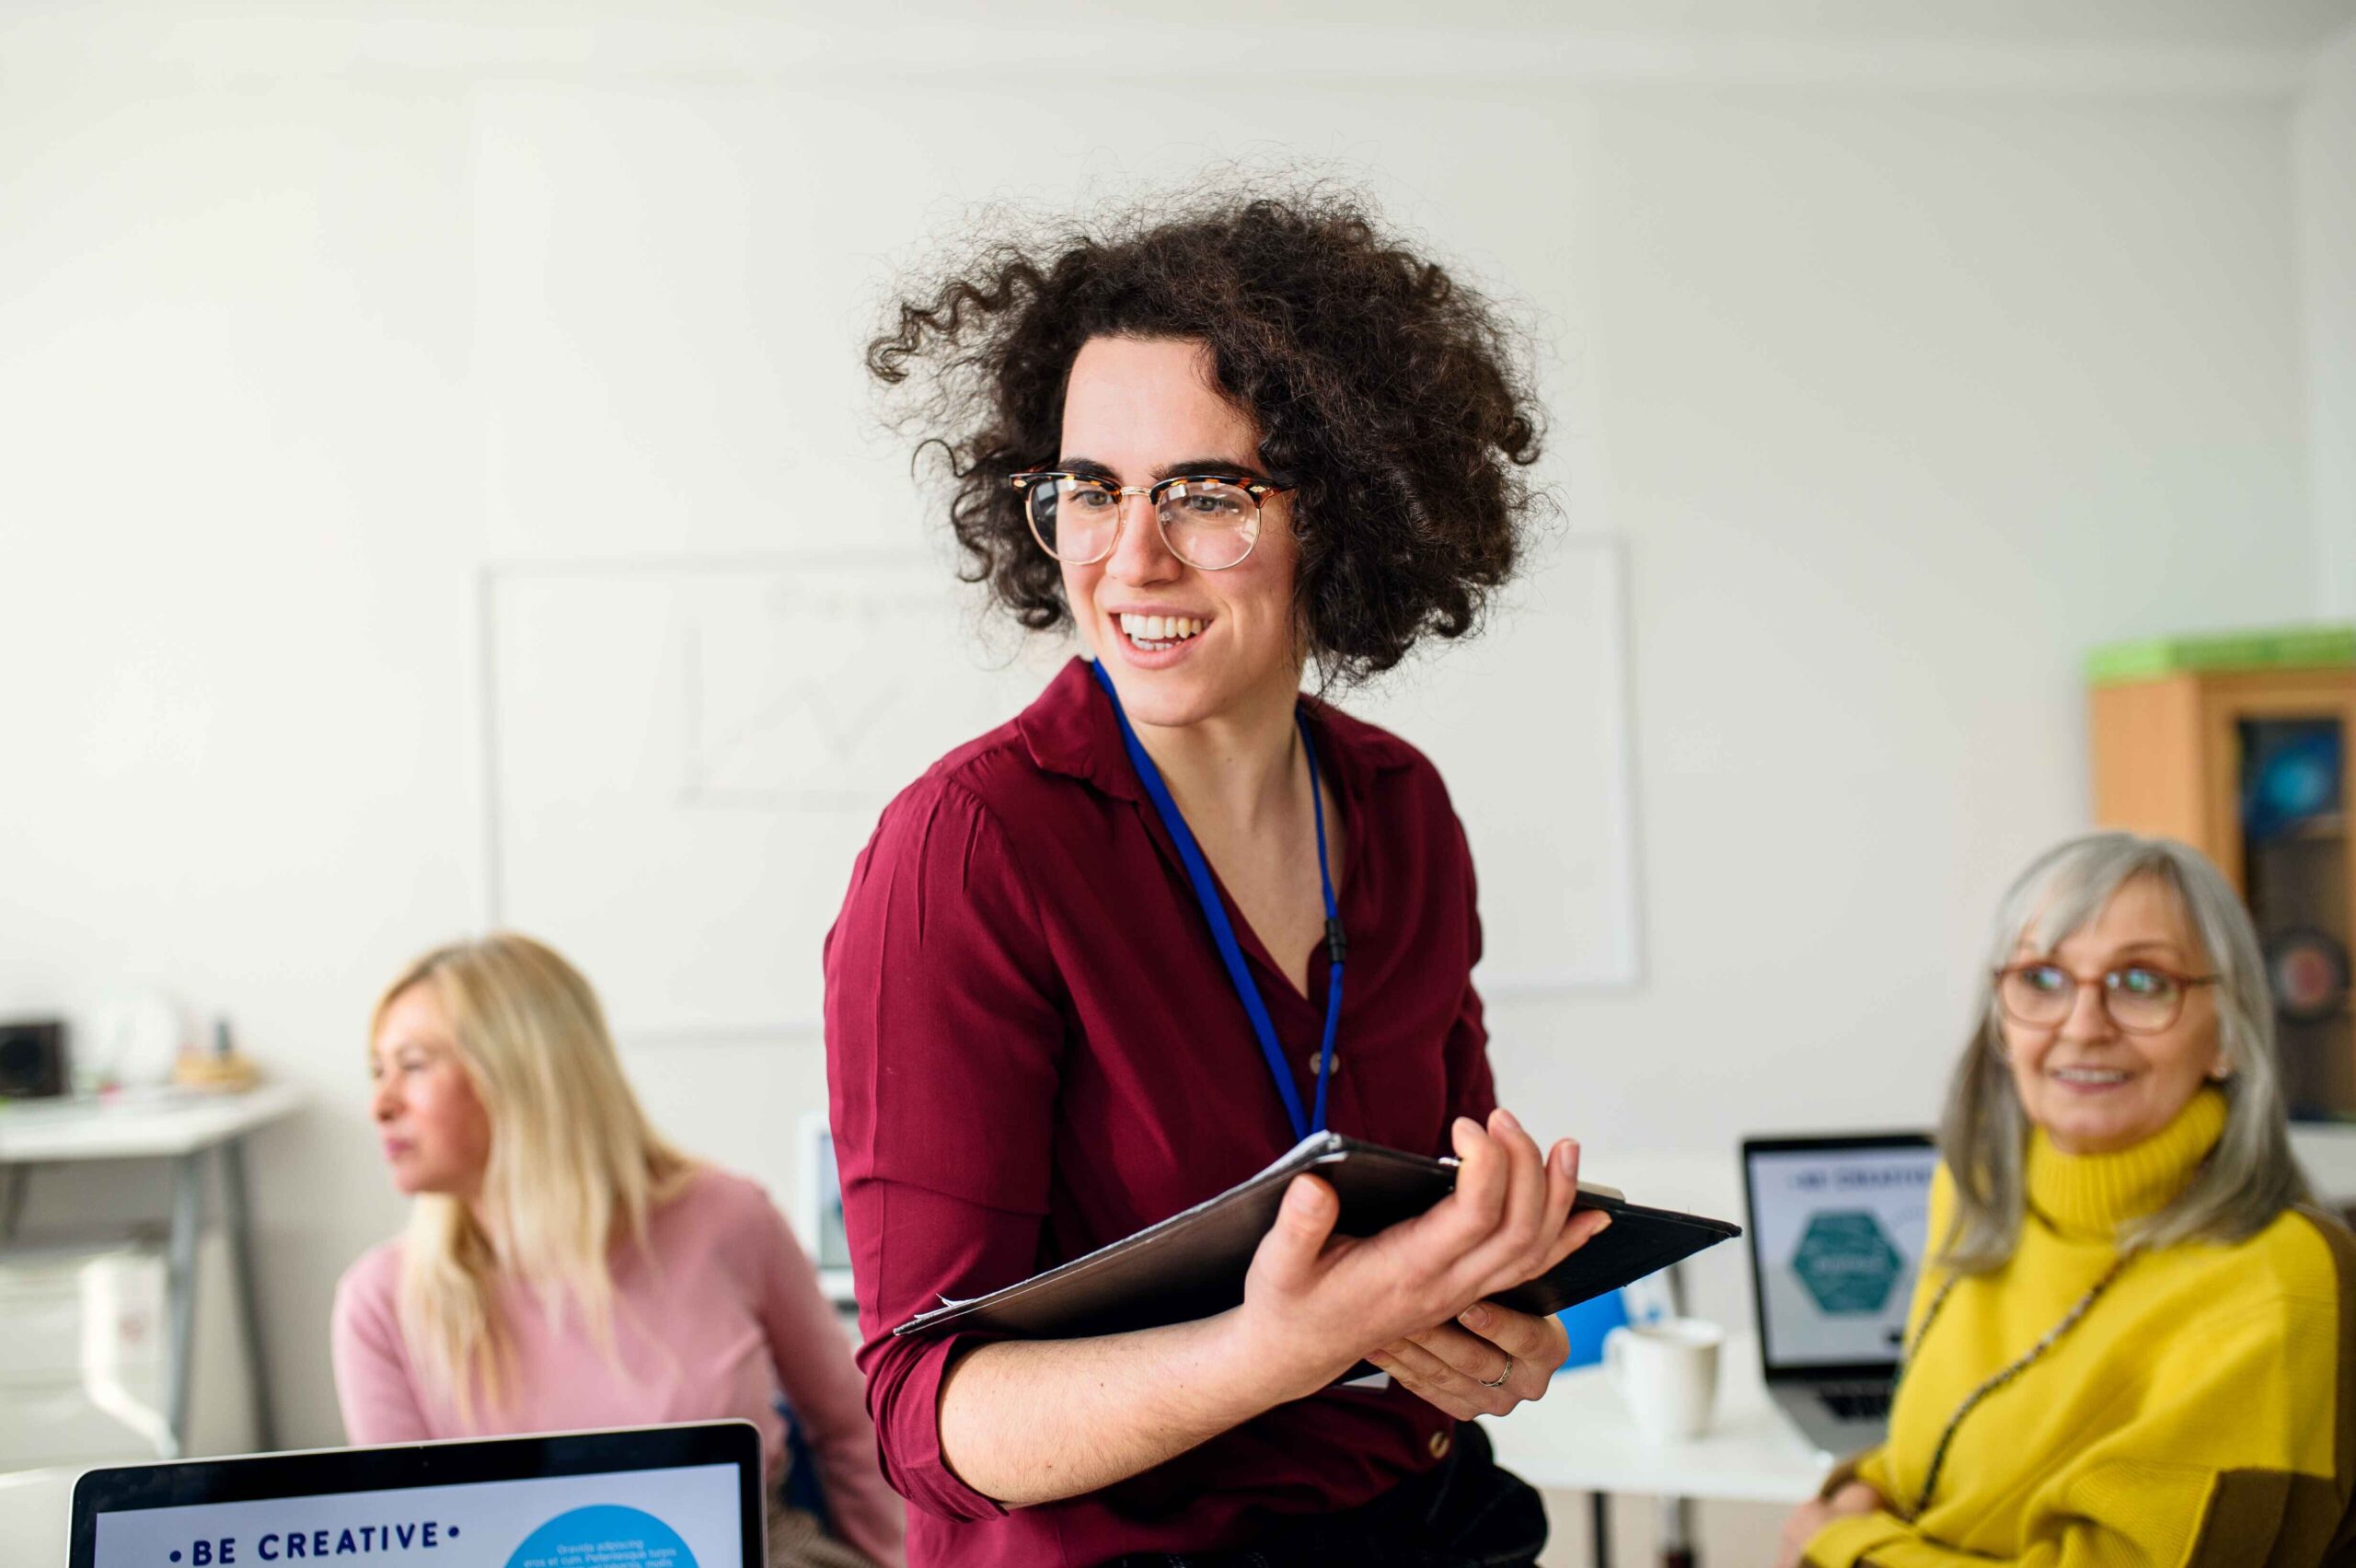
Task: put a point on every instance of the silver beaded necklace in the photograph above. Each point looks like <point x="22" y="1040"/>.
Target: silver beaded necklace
<point x="1997" y="1380"/>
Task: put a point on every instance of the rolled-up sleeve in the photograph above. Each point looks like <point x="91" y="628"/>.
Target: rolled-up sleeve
<point x="944" y="1045"/>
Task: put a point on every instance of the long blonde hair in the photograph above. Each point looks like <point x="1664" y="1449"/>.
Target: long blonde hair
<point x="2248" y="1179"/>
<point x="575" y="1165"/>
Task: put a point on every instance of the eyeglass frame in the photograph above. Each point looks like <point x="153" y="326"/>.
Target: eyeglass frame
<point x="1259" y="489"/>
<point x="2185" y="985"/>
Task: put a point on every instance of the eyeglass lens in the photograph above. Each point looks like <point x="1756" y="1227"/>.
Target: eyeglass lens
<point x="1208" y="523"/>
<point x="2137" y="998"/>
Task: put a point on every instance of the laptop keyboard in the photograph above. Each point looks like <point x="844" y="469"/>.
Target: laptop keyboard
<point x="1855" y="1401"/>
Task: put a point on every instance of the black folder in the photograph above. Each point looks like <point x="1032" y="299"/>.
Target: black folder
<point x="1192" y="1264"/>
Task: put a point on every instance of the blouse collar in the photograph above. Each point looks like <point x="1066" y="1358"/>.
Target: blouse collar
<point x="1070" y="729"/>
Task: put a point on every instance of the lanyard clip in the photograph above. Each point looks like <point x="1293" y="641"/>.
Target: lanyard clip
<point x="1337" y="946"/>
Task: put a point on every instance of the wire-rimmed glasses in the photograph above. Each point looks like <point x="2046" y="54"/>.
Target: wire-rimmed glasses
<point x="1209" y="521"/>
<point x="2142" y="999"/>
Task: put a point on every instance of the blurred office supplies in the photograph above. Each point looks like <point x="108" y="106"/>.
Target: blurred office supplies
<point x="1667" y="1371"/>
<point x="32" y="1058"/>
<point x="135" y="1037"/>
<point x="223" y="1067"/>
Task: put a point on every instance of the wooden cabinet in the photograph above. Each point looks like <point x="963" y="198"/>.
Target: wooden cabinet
<point x="2250" y="766"/>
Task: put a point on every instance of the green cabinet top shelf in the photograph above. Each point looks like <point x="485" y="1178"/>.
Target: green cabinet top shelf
<point x="2281" y="648"/>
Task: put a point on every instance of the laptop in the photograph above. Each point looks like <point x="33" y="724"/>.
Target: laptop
<point x="651" y="1497"/>
<point x="1836" y="1238"/>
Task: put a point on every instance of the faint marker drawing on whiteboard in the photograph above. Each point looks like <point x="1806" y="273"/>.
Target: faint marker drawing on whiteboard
<point x="687" y="757"/>
<point x="789" y="695"/>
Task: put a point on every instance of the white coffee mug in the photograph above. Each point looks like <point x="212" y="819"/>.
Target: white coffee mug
<point x="1667" y="1371"/>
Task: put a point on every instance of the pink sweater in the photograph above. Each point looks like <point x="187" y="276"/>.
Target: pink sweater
<point x="729" y="1315"/>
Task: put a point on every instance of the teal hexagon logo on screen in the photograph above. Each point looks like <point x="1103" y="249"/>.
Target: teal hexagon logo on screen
<point x="605" y="1535"/>
<point x="1847" y="1263"/>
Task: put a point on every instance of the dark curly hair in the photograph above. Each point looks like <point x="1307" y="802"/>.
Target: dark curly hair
<point x="1394" y="398"/>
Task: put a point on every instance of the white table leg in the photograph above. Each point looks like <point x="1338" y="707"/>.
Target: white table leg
<point x="12" y="1206"/>
<point x="180" y="1292"/>
<point x="1676" y="1533"/>
<point x="238" y="1215"/>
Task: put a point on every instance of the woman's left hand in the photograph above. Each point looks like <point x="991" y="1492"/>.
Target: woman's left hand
<point x="1452" y="1367"/>
<point x="1853" y="1497"/>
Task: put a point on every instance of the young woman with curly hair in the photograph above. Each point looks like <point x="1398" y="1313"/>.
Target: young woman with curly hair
<point x="1226" y="442"/>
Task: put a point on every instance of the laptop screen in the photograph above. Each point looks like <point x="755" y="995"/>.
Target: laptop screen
<point x="675" y="1514"/>
<point x="1836" y="1237"/>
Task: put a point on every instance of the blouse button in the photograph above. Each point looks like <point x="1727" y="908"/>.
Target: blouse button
<point x="1438" y="1444"/>
<point x="1314" y="1057"/>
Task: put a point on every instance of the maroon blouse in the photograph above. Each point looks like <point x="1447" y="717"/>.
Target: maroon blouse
<point x="1033" y="1050"/>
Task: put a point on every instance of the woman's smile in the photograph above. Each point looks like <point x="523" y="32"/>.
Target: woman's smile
<point x="1155" y="639"/>
<point x="1155" y="632"/>
<point x="2089" y="1080"/>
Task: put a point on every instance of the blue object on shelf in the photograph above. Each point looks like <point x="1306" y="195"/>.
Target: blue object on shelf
<point x="1588" y="1323"/>
<point x="2296" y="778"/>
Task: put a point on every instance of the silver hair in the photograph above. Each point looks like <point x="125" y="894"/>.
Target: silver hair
<point x="2248" y="1179"/>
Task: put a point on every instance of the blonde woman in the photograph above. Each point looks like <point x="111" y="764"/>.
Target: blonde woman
<point x="564" y="1267"/>
<point x="2132" y="1344"/>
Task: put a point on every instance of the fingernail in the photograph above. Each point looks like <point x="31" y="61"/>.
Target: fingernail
<point x="1475" y="1316"/>
<point x="1604" y="1222"/>
<point x="1566" y="1158"/>
<point x="1507" y="1117"/>
<point x="1465" y="1125"/>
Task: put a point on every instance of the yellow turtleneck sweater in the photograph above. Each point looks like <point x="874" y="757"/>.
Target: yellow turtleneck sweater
<point x="2202" y="1412"/>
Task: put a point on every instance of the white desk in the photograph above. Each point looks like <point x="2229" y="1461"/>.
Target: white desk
<point x="163" y="1126"/>
<point x="182" y="1129"/>
<point x="1580" y="1437"/>
<point x="36" y="1513"/>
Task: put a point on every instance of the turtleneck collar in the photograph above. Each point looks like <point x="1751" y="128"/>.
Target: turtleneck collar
<point x="2094" y="1195"/>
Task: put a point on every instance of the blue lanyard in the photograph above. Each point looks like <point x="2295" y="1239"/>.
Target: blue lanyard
<point x="1198" y="874"/>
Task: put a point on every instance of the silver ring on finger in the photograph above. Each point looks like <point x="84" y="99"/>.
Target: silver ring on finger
<point x="1499" y="1380"/>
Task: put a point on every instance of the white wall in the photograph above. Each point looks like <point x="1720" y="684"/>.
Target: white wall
<point x="1902" y="396"/>
<point x="240" y="497"/>
<point x="2324" y="154"/>
<point x="1905" y="404"/>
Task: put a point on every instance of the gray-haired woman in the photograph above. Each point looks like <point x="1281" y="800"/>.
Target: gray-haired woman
<point x="2132" y="1340"/>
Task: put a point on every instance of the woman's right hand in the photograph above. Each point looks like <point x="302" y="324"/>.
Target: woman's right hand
<point x="1314" y="1303"/>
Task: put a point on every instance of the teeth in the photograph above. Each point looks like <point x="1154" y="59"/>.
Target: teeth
<point x="1160" y="629"/>
<point x="2090" y="1074"/>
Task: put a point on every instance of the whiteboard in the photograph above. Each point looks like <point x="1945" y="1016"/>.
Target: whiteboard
<point x="687" y="756"/>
